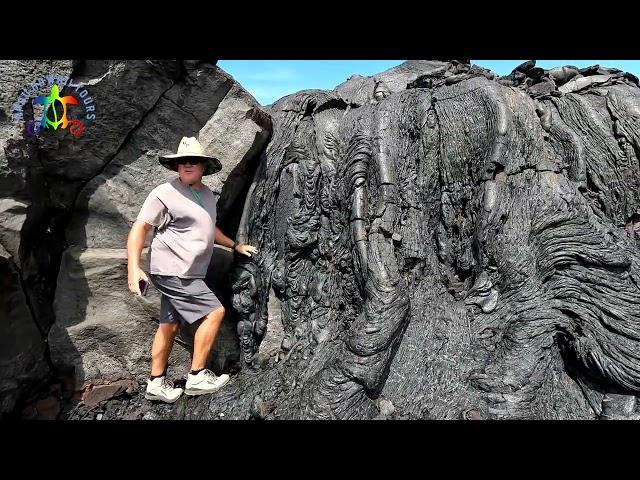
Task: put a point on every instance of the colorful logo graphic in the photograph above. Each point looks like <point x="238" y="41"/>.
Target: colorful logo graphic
<point x="49" y="104"/>
<point x="55" y="110"/>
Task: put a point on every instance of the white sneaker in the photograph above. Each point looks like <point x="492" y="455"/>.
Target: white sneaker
<point x="205" y="382"/>
<point x="162" y="389"/>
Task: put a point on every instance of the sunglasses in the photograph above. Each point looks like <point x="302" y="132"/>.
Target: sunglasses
<point x="190" y="161"/>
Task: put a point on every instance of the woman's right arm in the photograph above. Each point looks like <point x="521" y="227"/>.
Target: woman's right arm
<point x="135" y="244"/>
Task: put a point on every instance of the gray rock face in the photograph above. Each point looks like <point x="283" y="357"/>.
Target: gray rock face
<point x="22" y="348"/>
<point x="101" y="329"/>
<point x="460" y="246"/>
<point x="22" y="359"/>
<point x="238" y="132"/>
<point x="66" y="204"/>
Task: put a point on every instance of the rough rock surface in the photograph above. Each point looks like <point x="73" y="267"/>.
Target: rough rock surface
<point x="104" y="332"/>
<point x="23" y="359"/>
<point x="22" y="349"/>
<point x="445" y="244"/>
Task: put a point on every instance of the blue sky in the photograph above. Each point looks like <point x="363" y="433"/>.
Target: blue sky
<point x="269" y="80"/>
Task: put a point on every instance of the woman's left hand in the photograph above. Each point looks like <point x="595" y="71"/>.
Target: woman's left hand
<point x="246" y="249"/>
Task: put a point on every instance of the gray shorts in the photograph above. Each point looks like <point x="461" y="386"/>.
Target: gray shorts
<point x="186" y="299"/>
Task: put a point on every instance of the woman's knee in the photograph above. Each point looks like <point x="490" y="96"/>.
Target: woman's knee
<point x="218" y="313"/>
<point x="170" y="328"/>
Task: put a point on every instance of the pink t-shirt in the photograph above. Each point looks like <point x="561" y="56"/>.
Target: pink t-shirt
<point x="182" y="243"/>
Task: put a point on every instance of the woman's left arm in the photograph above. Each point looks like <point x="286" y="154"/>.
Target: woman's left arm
<point x="243" y="248"/>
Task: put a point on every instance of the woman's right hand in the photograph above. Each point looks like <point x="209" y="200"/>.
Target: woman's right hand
<point x="135" y="275"/>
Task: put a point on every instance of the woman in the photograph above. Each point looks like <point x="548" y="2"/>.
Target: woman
<point x="183" y="215"/>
